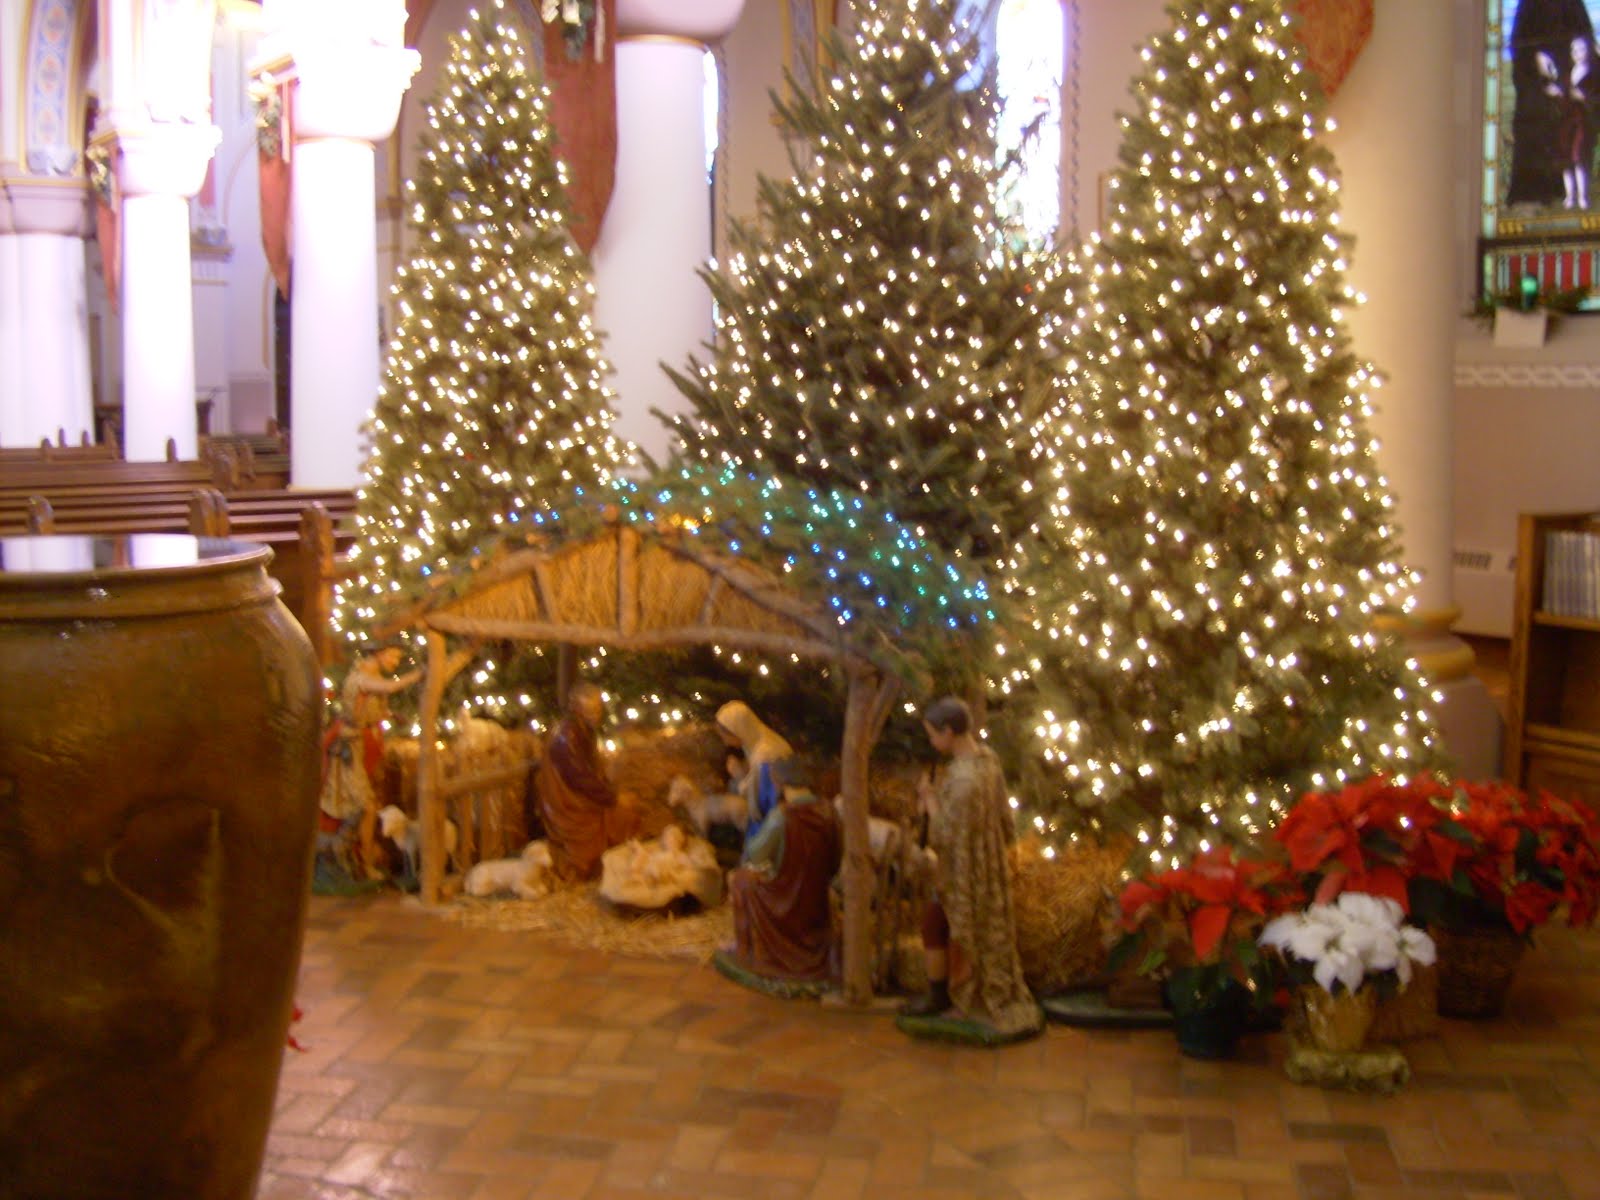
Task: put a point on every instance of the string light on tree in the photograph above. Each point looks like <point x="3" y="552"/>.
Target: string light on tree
<point x="883" y="353"/>
<point x="1222" y="537"/>
<point x="493" y="410"/>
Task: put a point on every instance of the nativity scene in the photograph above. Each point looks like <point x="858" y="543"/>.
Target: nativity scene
<point x="996" y="634"/>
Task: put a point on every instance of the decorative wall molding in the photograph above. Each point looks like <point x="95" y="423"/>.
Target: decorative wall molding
<point x="1577" y="376"/>
<point x="50" y="140"/>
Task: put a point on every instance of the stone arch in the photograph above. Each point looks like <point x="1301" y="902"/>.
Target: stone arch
<point x="57" y="43"/>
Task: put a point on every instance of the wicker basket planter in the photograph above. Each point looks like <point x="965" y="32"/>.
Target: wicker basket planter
<point x="1476" y="967"/>
<point x="1411" y="1013"/>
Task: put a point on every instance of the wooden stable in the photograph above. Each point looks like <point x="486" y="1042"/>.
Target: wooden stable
<point x="635" y="588"/>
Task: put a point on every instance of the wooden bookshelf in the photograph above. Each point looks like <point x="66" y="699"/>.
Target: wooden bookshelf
<point x="1553" y="707"/>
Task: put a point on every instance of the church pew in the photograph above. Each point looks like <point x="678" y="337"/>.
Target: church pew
<point x="305" y="537"/>
<point x="95" y="512"/>
<point x="43" y="478"/>
<point x="47" y="452"/>
<point x="41" y="515"/>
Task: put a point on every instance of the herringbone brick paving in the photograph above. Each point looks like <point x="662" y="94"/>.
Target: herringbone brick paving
<point x="452" y="1063"/>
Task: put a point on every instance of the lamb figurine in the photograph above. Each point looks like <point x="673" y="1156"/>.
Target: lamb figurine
<point x="527" y="877"/>
<point x="406" y="834"/>
<point x="882" y="836"/>
<point x="702" y="810"/>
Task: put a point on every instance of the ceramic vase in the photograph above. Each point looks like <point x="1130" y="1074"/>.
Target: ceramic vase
<point x="158" y="799"/>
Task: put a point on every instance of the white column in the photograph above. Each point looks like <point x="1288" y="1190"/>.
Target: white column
<point x="1395" y="147"/>
<point x="13" y="417"/>
<point x="334" y="311"/>
<point x="657" y="232"/>
<point x="160" y="166"/>
<point x="347" y="98"/>
<point x="44" y="323"/>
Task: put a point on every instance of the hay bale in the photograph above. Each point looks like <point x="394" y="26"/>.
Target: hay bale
<point x="1064" y="908"/>
<point x="645" y="762"/>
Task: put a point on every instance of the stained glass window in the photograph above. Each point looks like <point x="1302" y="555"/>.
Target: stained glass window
<point x="1030" y="59"/>
<point x="1541" y="213"/>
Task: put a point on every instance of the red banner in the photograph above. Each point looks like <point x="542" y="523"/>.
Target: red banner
<point x="276" y="180"/>
<point x="1333" y="33"/>
<point x="583" y="110"/>
<point x="583" y="114"/>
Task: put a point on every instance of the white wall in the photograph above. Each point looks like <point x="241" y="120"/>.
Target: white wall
<point x="754" y="56"/>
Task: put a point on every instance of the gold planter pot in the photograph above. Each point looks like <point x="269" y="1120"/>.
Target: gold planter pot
<point x="1337" y="1023"/>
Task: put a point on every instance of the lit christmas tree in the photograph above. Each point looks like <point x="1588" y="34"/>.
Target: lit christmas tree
<point x="879" y="343"/>
<point x="494" y="411"/>
<point x="1224" y="539"/>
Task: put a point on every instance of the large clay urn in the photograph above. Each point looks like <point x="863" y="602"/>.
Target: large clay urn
<point x="158" y="780"/>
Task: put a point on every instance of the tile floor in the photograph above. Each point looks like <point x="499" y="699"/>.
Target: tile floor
<point x="449" y="1062"/>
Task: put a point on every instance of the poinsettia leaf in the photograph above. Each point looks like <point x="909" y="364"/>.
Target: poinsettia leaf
<point x="1330" y="886"/>
<point x="1386" y="881"/>
<point x="1206" y="927"/>
<point x="1152" y="961"/>
<point x="1430" y="900"/>
<point x="1527" y="849"/>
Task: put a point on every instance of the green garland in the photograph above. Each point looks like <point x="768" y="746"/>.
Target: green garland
<point x="269" y="123"/>
<point x="577" y="17"/>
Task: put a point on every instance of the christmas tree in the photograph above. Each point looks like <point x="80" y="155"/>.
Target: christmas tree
<point x="493" y="412"/>
<point x="1223" y="540"/>
<point x="883" y="355"/>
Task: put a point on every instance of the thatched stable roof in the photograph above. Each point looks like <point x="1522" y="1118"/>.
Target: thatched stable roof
<point x="635" y="589"/>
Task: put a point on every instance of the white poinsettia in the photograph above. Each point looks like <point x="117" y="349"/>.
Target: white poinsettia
<point x="1348" y="942"/>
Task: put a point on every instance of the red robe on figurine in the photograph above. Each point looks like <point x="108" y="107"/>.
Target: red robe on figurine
<point x="583" y="816"/>
<point x="781" y="926"/>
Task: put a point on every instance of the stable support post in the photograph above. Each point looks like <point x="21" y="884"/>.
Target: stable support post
<point x="430" y="805"/>
<point x="867" y="708"/>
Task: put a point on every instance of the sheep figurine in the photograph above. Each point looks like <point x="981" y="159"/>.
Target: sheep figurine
<point x="882" y="836"/>
<point x="406" y="834"/>
<point x="702" y="810"/>
<point x="527" y="876"/>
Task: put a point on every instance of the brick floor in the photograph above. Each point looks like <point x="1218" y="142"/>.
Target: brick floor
<point x="444" y="1061"/>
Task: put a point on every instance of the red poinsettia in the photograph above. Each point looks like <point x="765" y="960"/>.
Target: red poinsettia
<point x="1525" y="858"/>
<point x="1369" y="837"/>
<point x="1205" y="912"/>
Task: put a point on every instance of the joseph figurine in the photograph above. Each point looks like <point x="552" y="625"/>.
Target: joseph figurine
<point x="582" y="813"/>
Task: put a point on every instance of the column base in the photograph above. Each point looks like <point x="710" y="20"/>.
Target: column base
<point x="1469" y="721"/>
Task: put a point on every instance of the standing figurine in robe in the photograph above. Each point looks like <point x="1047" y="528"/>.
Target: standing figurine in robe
<point x="969" y="929"/>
